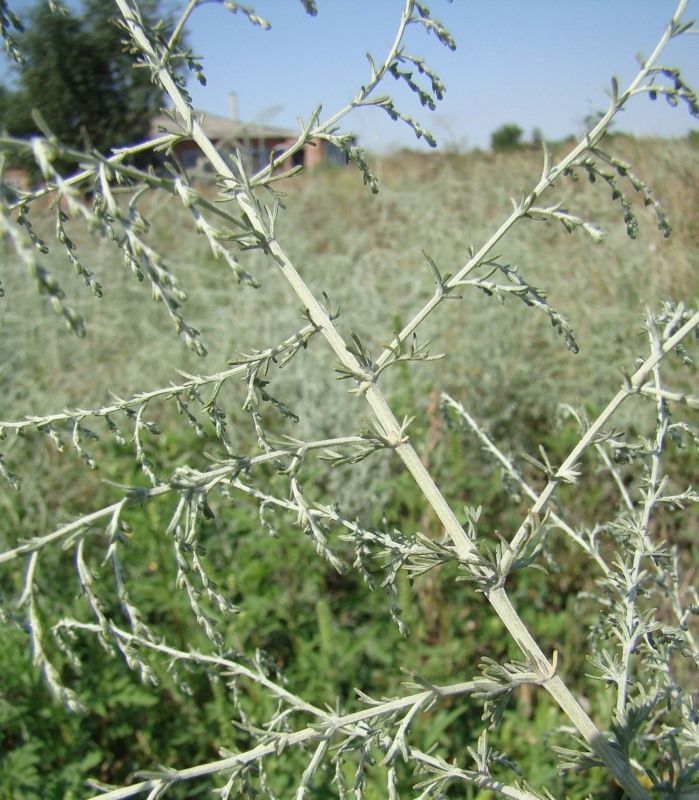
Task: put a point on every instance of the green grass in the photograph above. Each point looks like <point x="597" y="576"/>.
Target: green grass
<point x="330" y="633"/>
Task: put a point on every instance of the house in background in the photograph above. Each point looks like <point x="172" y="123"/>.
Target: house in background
<point x="255" y="141"/>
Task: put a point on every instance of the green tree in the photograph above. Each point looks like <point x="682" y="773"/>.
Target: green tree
<point x="507" y="137"/>
<point x="78" y="77"/>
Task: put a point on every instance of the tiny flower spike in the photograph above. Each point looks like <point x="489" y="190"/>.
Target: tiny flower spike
<point x="389" y="590"/>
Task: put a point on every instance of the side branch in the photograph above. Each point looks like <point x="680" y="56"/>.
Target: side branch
<point x="634" y="385"/>
<point x="549" y="175"/>
<point x="326" y="727"/>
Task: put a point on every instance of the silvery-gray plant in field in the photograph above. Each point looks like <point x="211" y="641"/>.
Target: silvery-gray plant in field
<point x="643" y="645"/>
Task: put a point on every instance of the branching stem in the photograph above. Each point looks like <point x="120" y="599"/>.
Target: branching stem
<point x="547" y="179"/>
<point x="465" y="548"/>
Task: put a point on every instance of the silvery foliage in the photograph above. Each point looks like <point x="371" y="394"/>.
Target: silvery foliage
<point x="644" y="638"/>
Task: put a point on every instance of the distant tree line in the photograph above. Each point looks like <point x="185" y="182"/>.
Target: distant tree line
<point x="509" y="137"/>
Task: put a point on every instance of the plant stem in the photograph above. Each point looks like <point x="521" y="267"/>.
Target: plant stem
<point x="466" y="549"/>
<point x="547" y="179"/>
<point x="633" y="386"/>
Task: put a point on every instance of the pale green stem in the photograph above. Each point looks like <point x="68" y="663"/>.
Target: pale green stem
<point x="514" y="474"/>
<point x="691" y="401"/>
<point x="547" y="179"/>
<point x="177" y="32"/>
<point x="359" y="100"/>
<point x="630" y="639"/>
<point x="466" y="550"/>
<point x="616" y="477"/>
<point x="84" y="523"/>
<point x="329" y="723"/>
<point x="478" y="779"/>
<point x="164" y="393"/>
<point x="633" y="386"/>
<point x="79" y="177"/>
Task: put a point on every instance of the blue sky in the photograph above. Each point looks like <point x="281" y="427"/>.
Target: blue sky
<point x="537" y="63"/>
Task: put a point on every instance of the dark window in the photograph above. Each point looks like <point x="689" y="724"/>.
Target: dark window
<point x="333" y="155"/>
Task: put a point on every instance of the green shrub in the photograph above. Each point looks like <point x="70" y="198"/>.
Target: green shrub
<point x="507" y="137"/>
<point x="318" y="565"/>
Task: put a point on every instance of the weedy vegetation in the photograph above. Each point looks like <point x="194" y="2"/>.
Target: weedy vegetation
<point x="389" y="495"/>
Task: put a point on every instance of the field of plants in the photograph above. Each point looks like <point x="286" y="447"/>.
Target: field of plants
<point x="327" y="632"/>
